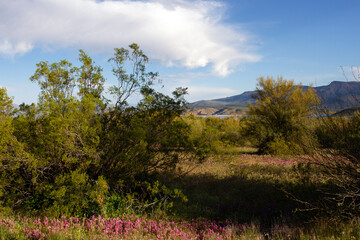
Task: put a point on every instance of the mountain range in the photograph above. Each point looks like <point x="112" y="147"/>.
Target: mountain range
<point x="336" y="96"/>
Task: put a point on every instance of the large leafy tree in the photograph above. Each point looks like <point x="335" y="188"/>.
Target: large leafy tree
<point x="140" y="140"/>
<point x="65" y="154"/>
<point x="281" y="116"/>
<point x="62" y="133"/>
<point x="14" y="182"/>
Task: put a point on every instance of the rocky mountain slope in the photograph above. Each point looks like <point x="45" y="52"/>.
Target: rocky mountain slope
<point x="336" y="96"/>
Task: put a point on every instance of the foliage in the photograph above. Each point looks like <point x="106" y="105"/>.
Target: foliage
<point x="145" y="139"/>
<point x="281" y="116"/>
<point x="340" y="161"/>
<point x="61" y="133"/>
<point x="12" y="158"/>
<point x="68" y="153"/>
<point x="341" y="133"/>
<point x="339" y="136"/>
<point x="136" y="80"/>
<point x="215" y="135"/>
<point x="153" y="196"/>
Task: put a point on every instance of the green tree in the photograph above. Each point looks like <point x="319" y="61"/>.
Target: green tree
<point x="14" y="183"/>
<point x="90" y="79"/>
<point x="339" y="158"/>
<point x="67" y="153"/>
<point x="62" y="134"/>
<point x="140" y="140"/>
<point x="281" y="116"/>
<point x="132" y="81"/>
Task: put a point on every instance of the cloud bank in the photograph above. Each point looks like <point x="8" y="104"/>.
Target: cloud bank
<point x="197" y="93"/>
<point x="176" y="32"/>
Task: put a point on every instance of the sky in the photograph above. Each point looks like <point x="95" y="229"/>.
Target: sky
<point x="214" y="48"/>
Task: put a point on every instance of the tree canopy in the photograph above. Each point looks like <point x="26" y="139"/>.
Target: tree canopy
<point x="281" y="115"/>
<point x="71" y="150"/>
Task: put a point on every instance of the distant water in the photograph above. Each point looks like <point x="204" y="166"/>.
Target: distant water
<point x="240" y="115"/>
<point x="222" y="116"/>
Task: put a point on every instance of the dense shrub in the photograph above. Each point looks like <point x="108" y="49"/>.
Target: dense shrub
<point x="339" y="160"/>
<point x="280" y="121"/>
<point x="341" y="133"/>
<point x="70" y="152"/>
<point x="215" y="135"/>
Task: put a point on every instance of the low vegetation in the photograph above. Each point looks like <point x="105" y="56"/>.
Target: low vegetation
<point x="77" y="166"/>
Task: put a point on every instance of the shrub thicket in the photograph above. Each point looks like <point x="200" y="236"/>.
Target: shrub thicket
<point x="280" y="120"/>
<point x="215" y="135"/>
<point x="70" y="152"/>
<point x="339" y="160"/>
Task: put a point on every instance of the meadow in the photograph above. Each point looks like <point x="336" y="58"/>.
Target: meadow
<point x="229" y="196"/>
<point x="74" y="166"/>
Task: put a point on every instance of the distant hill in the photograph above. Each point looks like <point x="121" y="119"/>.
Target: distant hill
<point x="335" y="97"/>
<point x="347" y="112"/>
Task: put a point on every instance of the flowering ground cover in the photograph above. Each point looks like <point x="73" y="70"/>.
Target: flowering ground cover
<point x="133" y="227"/>
<point x="116" y="228"/>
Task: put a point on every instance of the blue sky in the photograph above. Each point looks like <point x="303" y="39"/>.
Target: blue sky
<point x="215" y="48"/>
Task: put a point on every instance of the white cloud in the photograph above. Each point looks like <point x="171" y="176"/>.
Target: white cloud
<point x="183" y="78"/>
<point x="350" y="73"/>
<point x="14" y="48"/>
<point x="176" y="32"/>
<point x="210" y="90"/>
<point x="207" y="93"/>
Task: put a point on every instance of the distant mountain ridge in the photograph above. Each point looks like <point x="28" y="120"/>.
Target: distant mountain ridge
<point x="336" y="96"/>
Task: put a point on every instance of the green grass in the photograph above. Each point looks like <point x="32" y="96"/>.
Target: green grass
<point x="258" y="190"/>
<point x="248" y="189"/>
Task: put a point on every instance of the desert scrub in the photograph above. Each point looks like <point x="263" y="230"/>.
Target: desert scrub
<point x="215" y="135"/>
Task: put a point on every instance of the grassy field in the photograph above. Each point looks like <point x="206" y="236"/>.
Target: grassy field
<point x="269" y="193"/>
<point x="244" y="188"/>
<point x="230" y="196"/>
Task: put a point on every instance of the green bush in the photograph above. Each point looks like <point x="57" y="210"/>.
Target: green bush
<point x="215" y="135"/>
<point x="339" y="161"/>
<point x="69" y="153"/>
<point x="340" y="133"/>
<point x="280" y="122"/>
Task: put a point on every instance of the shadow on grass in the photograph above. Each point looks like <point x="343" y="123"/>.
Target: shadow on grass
<point x="241" y="199"/>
